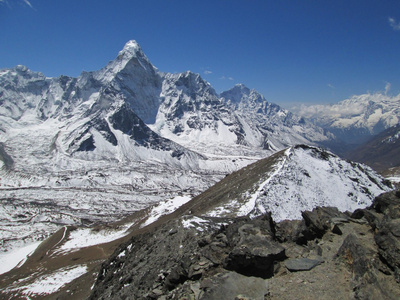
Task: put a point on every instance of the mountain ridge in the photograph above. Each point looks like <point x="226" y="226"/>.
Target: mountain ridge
<point x="357" y="119"/>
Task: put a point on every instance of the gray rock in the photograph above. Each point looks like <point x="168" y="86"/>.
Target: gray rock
<point x="319" y="219"/>
<point x="302" y="264"/>
<point x="254" y="253"/>
<point x="231" y="285"/>
<point x="389" y="244"/>
<point x="363" y="263"/>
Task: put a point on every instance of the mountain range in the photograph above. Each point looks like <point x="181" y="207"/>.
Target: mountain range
<point x="127" y="129"/>
<point x="357" y="119"/>
<point x="87" y="163"/>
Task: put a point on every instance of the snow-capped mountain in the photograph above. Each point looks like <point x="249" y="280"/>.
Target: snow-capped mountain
<point x="267" y="124"/>
<point x="192" y="114"/>
<point x="129" y="111"/>
<point x="356" y="119"/>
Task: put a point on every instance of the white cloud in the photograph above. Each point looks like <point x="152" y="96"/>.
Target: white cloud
<point x="395" y="25"/>
<point x="207" y="72"/>
<point x="331" y="86"/>
<point x="387" y="87"/>
<point x="28" y="3"/>
<point x="8" y="3"/>
<point x="225" y="78"/>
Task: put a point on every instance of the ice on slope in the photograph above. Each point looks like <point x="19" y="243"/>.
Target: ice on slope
<point x="252" y="199"/>
<point x="201" y="224"/>
<point x="86" y="237"/>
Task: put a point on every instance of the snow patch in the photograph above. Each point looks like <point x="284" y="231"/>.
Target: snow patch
<point x="16" y="258"/>
<point x="50" y="283"/>
<point x="86" y="237"/>
<point x="395" y="179"/>
<point x="251" y="203"/>
<point x="193" y="222"/>
<point x="200" y="224"/>
<point x="166" y="207"/>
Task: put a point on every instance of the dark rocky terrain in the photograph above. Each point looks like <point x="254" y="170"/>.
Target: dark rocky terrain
<point x="381" y="152"/>
<point x="326" y="255"/>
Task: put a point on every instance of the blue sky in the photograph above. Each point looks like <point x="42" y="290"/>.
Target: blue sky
<point x="290" y="51"/>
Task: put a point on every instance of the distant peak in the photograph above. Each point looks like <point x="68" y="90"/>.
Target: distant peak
<point x="239" y="88"/>
<point x="236" y="93"/>
<point x="242" y="88"/>
<point x="131" y="48"/>
<point x="132" y="44"/>
<point x="240" y="85"/>
<point x="21" y="68"/>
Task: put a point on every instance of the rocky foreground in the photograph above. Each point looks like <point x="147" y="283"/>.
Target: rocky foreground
<point x="327" y="255"/>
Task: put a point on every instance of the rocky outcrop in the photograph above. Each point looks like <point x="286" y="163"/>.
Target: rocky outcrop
<point x="328" y="255"/>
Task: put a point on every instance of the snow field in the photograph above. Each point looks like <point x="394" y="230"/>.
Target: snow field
<point x="16" y="258"/>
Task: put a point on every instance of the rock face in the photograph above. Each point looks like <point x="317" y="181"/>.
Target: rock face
<point x="327" y="255"/>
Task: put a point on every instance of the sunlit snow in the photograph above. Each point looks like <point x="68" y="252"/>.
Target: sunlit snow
<point x="50" y="283"/>
<point x="166" y="207"/>
<point x="86" y="237"/>
<point x="17" y="257"/>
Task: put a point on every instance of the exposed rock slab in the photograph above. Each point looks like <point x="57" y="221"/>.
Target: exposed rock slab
<point x="302" y="264"/>
<point x="232" y="285"/>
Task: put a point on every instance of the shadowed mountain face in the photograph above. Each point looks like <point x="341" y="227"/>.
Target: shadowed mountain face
<point x="382" y="152"/>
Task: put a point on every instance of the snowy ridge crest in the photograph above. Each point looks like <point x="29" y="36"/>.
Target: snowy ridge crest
<point x="302" y="178"/>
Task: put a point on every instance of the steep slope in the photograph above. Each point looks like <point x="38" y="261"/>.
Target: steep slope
<point x="288" y="182"/>
<point x="381" y="152"/>
<point x="191" y="112"/>
<point x="356" y="119"/>
<point x="133" y="77"/>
